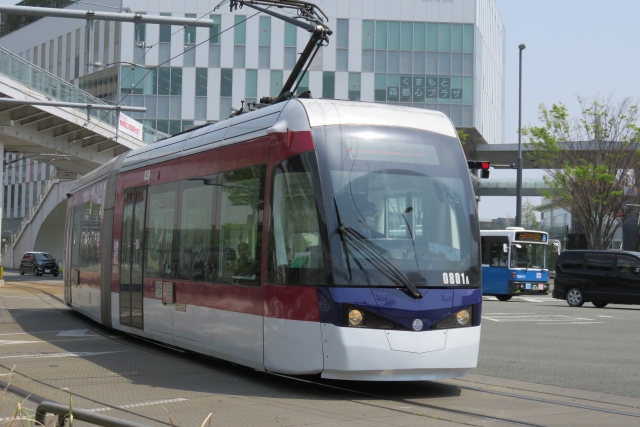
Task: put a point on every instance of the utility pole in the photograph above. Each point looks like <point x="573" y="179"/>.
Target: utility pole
<point x="519" y="176"/>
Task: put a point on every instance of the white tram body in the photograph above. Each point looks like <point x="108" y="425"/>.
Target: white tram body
<point x="289" y="239"/>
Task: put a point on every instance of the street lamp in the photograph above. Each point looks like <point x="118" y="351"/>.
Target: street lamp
<point x="519" y="179"/>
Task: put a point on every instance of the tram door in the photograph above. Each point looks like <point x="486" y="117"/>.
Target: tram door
<point x="132" y="250"/>
<point x="68" y="256"/>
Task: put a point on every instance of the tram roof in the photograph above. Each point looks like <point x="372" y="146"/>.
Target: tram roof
<point x="295" y="115"/>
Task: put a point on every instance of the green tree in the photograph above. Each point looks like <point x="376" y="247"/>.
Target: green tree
<point x="529" y="219"/>
<point x="589" y="161"/>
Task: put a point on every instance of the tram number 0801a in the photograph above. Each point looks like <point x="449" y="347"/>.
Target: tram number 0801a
<point x="455" y="279"/>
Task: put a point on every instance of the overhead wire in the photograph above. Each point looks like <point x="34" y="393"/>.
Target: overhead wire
<point x="102" y="118"/>
<point x="150" y="69"/>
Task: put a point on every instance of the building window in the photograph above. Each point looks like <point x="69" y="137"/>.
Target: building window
<point x="304" y="84"/>
<point x="342" y="45"/>
<point x="201" y="94"/>
<point x="251" y="86"/>
<point x="67" y="69"/>
<point x="51" y="50"/>
<point x="226" y="91"/>
<point x="290" y="46"/>
<point x="164" y="48"/>
<point x="116" y="42"/>
<point x="354" y="86"/>
<point x="107" y="36"/>
<point x="190" y="43"/>
<point x="239" y="41"/>
<point x="96" y="42"/>
<point x="264" y="40"/>
<point x="214" y="42"/>
<point x="276" y="83"/>
<point x="328" y="85"/>
<point x="139" y="43"/>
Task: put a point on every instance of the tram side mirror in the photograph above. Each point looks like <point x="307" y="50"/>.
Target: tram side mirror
<point x="505" y="248"/>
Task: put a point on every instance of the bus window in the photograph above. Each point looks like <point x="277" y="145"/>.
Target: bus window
<point x="498" y="256"/>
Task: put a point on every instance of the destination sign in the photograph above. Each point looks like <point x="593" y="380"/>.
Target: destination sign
<point x="528" y="236"/>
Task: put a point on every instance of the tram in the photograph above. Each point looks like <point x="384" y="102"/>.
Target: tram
<point x="300" y="237"/>
<point x="307" y="237"/>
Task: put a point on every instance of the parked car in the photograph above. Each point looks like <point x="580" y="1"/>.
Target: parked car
<point x="39" y="263"/>
<point x="599" y="277"/>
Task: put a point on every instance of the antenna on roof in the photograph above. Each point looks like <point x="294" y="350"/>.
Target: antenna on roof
<point x="311" y="18"/>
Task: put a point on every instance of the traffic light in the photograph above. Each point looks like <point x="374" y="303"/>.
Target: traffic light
<point x="482" y="165"/>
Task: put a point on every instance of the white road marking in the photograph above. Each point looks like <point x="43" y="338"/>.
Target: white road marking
<point x="75" y="333"/>
<point x="3" y="342"/>
<point x="32" y="333"/>
<point x="51" y="355"/>
<point x="540" y="319"/>
<point x="89" y="337"/>
<point x="568" y="323"/>
<point x="607" y="316"/>
<point x="15" y="419"/>
<point x="137" y="405"/>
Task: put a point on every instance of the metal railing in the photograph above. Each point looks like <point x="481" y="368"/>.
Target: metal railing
<point x="17" y="68"/>
<point x="64" y="413"/>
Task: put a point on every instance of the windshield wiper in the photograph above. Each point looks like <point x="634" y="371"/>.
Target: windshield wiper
<point x="382" y="265"/>
<point x="344" y="244"/>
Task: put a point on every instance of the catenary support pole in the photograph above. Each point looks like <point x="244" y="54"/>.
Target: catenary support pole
<point x="519" y="177"/>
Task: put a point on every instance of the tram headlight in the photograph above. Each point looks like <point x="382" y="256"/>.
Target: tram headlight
<point x="460" y="319"/>
<point x="355" y="317"/>
<point x="463" y="317"/>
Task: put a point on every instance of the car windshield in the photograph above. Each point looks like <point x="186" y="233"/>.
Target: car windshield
<point x="44" y="257"/>
<point x="528" y="255"/>
<point x="406" y="195"/>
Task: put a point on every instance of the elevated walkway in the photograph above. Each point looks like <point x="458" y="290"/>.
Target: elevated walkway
<point x="507" y="187"/>
<point x="69" y="139"/>
<point x="62" y="137"/>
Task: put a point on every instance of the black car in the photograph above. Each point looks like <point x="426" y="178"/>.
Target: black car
<point x="39" y="263"/>
<point x="599" y="277"/>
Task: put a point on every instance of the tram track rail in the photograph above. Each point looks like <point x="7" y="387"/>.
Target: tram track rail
<point x="146" y="345"/>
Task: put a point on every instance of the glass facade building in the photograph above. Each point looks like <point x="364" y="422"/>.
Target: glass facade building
<point x="446" y="55"/>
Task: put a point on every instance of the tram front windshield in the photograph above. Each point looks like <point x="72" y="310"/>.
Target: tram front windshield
<point x="398" y="202"/>
<point x="528" y="255"/>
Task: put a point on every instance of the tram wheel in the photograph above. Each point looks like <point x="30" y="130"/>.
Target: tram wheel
<point x="599" y="304"/>
<point x="503" y="297"/>
<point x="575" y="297"/>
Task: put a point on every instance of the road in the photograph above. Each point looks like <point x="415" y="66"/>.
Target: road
<point x="45" y="347"/>
<point x="544" y="341"/>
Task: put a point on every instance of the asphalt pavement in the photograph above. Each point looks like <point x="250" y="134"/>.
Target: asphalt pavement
<point x="542" y="340"/>
<point x="47" y="349"/>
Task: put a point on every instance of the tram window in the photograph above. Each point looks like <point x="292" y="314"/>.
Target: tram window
<point x="296" y="251"/>
<point x="197" y="229"/>
<point x="159" y="229"/>
<point x="90" y="235"/>
<point x="242" y="205"/>
<point x="77" y="233"/>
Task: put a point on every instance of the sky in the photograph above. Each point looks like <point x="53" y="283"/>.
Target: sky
<point x="574" y="47"/>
